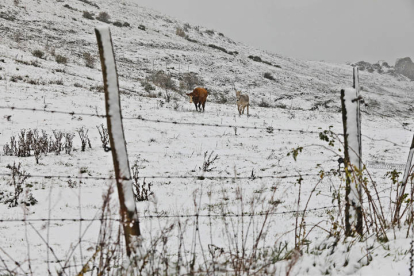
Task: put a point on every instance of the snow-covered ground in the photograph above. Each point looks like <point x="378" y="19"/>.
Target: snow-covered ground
<point x="304" y="96"/>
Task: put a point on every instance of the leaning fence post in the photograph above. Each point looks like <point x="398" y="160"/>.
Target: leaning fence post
<point x="408" y="165"/>
<point x="117" y="139"/>
<point x="350" y="118"/>
<point x="400" y="195"/>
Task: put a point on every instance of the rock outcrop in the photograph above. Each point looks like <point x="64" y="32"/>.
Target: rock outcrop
<point x="380" y="67"/>
<point x="405" y="67"/>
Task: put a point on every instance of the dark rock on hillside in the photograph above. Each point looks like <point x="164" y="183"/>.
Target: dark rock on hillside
<point x="381" y="67"/>
<point x="363" y="65"/>
<point x="405" y="67"/>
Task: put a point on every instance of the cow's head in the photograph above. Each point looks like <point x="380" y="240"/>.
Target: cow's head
<point x="191" y="97"/>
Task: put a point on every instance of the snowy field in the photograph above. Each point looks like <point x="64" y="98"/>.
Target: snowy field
<point x="231" y="185"/>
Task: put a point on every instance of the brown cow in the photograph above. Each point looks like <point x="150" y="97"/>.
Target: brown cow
<point x="199" y="97"/>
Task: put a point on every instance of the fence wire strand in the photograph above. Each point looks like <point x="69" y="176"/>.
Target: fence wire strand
<point x="198" y="177"/>
<point x="160" y="216"/>
<point x="269" y="129"/>
<point x="72" y="113"/>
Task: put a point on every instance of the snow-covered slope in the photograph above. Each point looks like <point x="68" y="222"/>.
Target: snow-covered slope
<point x="297" y="84"/>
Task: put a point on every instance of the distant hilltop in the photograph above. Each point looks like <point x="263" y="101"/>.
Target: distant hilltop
<point x="403" y="66"/>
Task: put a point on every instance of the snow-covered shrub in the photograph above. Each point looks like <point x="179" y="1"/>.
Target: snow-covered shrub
<point x="142" y="27"/>
<point x="61" y="59"/>
<point x="18" y="36"/>
<point x="268" y="76"/>
<point x="34" y="63"/>
<point x="90" y="3"/>
<point x="57" y="144"/>
<point x="72" y="184"/>
<point x="191" y="40"/>
<point x="89" y="60"/>
<point x="163" y="80"/>
<point x="186" y="27"/>
<point x="83" y="135"/>
<point x="126" y="24"/>
<point x="69" y="7"/>
<point x="40" y="144"/>
<point x="97" y="88"/>
<point x="16" y="78"/>
<point x="8" y="16"/>
<point x="176" y="106"/>
<point x="220" y="49"/>
<point x="264" y="103"/>
<point x="190" y="80"/>
<point x="36" y="143"/>
<point x="69" y="142"/>
<point x="16" y="191"/>
<point x="141" y="190"/>
<point x="255" y="58"/>
<point x="221" y="99"/>
<point x="24" y="143"/>
<point x="180" y="32"/>
<point x="210" y="32"/>
<point x="38" y="53"/>
<point x="118" y="24"/>
<point x="147" y="86"/>
<point x="103" y="133"/>
<point x="58" y="82"/>
<point x="104" y="17"/>
<point x="208" y="161"/>
<point x="10" y="149"/>
<point x="88" y="15"/>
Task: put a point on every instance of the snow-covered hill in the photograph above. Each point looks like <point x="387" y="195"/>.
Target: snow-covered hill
<point x="217" y="59"/>
<point x="37" y="36"/>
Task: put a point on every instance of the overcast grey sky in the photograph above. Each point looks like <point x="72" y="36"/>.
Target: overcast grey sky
<point x="330" y="30"/>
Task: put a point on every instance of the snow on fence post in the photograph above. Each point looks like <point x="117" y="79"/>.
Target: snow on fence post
<point x="400" y="195"/>
<point x="350" y="117"/>
<point x="117" y="139"/>
<point x="409" y="163"/>
<point x="356" y="87"/>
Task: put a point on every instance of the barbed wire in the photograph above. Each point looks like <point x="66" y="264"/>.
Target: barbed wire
<point x="73" y="113"/>
<point x="390" y="117"/>
<point x="198" y="177"/>
<point x="269" y="129"/>
<point x="393" y="95"/>
<point x="159" y="216"/>
<point x="385" y="140"/>
<point x="64" y="177"/>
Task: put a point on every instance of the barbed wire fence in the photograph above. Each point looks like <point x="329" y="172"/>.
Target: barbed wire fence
<point x="269" y="130"/>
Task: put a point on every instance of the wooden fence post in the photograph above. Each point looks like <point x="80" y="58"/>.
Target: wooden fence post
<point x="400" y="195"/>
<point x="358" y="96"/>
<point x="409" y="163"/>
<point x="128" y="210"/>
<point x="352" y="136"/>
